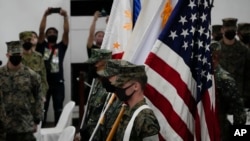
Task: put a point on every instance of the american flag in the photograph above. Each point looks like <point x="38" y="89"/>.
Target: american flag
<point x="180" y="83"/>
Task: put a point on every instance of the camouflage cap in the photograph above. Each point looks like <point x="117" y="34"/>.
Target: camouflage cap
<point x="216" y="28"/>
<point x="229" y="22"/>
<point x="114" y="67"/>
<point x="244" y="28"/>
<point x="99" y="54"/>
<point x="25" y="35"/>
<point x="14" y="47"/>
<point x="130" y="72"/>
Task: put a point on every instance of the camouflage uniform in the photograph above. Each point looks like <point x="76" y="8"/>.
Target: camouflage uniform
<point x="235" y="59"/>
<point x="35" y="62"/>
<point x="243" y="31"/>
<point x="2" y="118"/>
<point x="21" y="98"/>
<point x="228" y="98"/>
<point x="112" y="68"/>
<point x="145" y="125"/>
<point x="97" y="98"/>
<point x="229" y="102"/>
<point x="216" y="32"/>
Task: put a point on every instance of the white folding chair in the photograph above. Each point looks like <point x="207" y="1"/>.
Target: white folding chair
<point x="67" y="134"/>
<point x="53" y="133"/>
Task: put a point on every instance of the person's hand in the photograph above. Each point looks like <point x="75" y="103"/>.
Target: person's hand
<point x="46" y="13"/>
<point x="77" y="137"/>
<point x="63" y="13"/>
<point x="96" y="15"/>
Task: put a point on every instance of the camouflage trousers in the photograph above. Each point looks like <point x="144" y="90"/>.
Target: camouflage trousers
<point x="20" y="137"/>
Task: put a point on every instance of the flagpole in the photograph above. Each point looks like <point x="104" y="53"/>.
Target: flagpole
<point x="100" y="121"/>
<point x="86" y="107"/>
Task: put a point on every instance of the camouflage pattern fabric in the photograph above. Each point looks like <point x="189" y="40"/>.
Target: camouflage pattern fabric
<point x="21" y="99"/>
<point x="243" y="28"/>
<point x="36" y="63"/>
<point x="112" y="67"/>
<point x="99" y="54"/>
<point x="130" y="72"/>
<point x="21" y="137"/>
<point x="110" y="117"/>
<point x="229" y="102"/>
<point x="145" y="124"/>
<point x="229" y="22"/>
<point x="234" y="59"/>
<point x="95" y="106"/>
<point x="14" y="47"/>
<point x="25" y="35"/>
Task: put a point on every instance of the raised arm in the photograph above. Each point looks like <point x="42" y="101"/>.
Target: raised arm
<point x="92" y="30"/>
<point x="65" y="37"/>
<point x="42" y="27"/>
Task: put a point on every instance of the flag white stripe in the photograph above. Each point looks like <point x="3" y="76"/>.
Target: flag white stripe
<point x="166" y="130"/>
<point x="161" y="50"/>
<point x="204" y="130"/>
<point x="170" y="93"/>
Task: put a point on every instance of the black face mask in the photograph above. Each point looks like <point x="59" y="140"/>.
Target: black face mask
<point x="121" y="93"/>
<point x="107" y="85"/>
<point x="245" y="38"/>
<point x="218" y="37"/>
<point x="52" y="38"/>
<point x="27" y="45"/>
<point x="92" y="71"/>
<point x="15" y="60"/>
<point x="230" y="34"/>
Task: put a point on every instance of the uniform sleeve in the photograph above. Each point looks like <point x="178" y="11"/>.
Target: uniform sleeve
<point x="37" y="93"/>
<point x="146" y="124"/>
<point x="44" y="78"/>
<point x="236" y="106"/>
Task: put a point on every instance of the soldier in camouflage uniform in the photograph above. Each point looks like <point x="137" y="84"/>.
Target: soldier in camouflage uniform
<point x="33" y="59"/>
<point x="2" y="118"/>
<point x="97" y="96"/>
<point x="216" y="32"/>
<point x="243" y="32"/>
<point x="235" y="58"/>
<point x="128" y="87"/>
<point x="21" y="96"/>
<point x="229" y="100"/>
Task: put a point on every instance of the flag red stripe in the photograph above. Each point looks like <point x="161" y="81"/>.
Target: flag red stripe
<point x="173" y="77"/>
<point x="167" y="110"/>
<point x="117" y="55"/>
<point x="209" y="115"/>
<point x="197" y="127"/>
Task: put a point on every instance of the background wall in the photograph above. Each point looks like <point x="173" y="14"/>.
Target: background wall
<point x="19" y="15"/>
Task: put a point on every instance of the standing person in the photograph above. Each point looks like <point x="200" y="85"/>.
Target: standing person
<point x="234" y="57"/>
<point x="228" y="97"/>
<point x="95" y="38"/>
<point x="53" y="54"/>
<point x="34" y="40"/>
<point x="216" y="32"/>
<point x="129" y="86"/>
<point x="97" y="96"/>
<point x="21" y="96"/>
<point x="33" y="59"/>
<point x="244" y="33"/>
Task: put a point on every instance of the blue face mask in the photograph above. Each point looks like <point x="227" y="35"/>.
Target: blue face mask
<point x="121" y="93"/>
